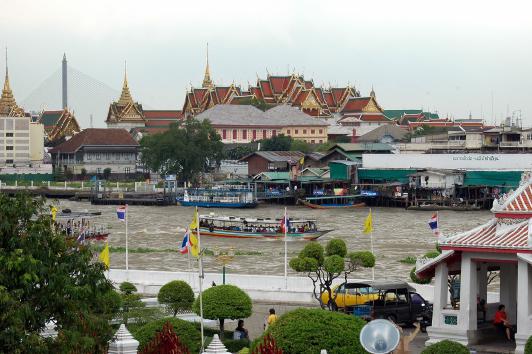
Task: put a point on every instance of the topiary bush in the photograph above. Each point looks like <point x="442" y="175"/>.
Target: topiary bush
<point x="528" y="346"/>
<point x="187" y="332"/>
<point x="336" y="247"/>
<point x="307" y="331"/>
<point x="177" y="296"/>
<point x="224" y="301"/>
<point x="365" y="259"/>
<point x="446" y="347"/>
<point x="417" y="279"/>
<point x="127" y="288"/>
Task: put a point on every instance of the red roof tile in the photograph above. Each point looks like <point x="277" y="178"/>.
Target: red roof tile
<point x="157" y="114"/>
<point x="279" y="83"/>
<point x="356" y="104"/>
<point x="96" y="137"/>
<point x="266" y="88"/>
<point x="329" y="98"/>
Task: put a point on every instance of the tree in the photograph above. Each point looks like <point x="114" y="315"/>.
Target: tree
<point x="186" y="149"/>
<point x="106" y="173"/>
<point x="133" y="307"/>
<point x="279" y="142"/>
<point x="224" y="301"/>
<point x="83" y="173"/>
<point x="239" y="151"/>
<point x="177" y="296"/>
<point x="324" y="266"/>
<point x="308" y="331"/>
<point x="300" y="145"/>
<point x="49" y="278"/>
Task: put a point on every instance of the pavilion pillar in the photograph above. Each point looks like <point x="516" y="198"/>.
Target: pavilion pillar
<point x="440" y="293"/>
<point x="508" y="289"/>
<point x="468" y="295"/>
<point x="524" y="303"/>
<point x="482" y="281"/>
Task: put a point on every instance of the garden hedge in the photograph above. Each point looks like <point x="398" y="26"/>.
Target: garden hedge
<point x="446" y="347"/>
<point x="528" y="346"/>
<point x="186" y="331"/>
<point x="308" y="331"/>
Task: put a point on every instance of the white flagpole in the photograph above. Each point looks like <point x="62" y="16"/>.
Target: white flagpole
<point x="285" y="226"/>
<point x="372" y="251"/>
<point x="127" y="258"/>
<point x="200" y="266"/>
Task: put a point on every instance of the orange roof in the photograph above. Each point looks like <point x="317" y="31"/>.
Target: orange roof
<point x="356" y="104"/>
<point x="266" y="88"/>
<point x="157" y="114"/>
<point x="279" y="83"/>
<point x="96" y="137"/>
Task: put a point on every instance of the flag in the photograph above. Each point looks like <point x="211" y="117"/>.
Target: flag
<point x="183" y="249"/>
<point x="104" y="256"/>
<point x="121" y="212"/>
<point x="285" y="223"/>
<point x="433" y="224"/>
<point x="53" y="211"/>
<point x="368" y="224"/>
<point x="302" y="161"/>
<point x="195" y="223"/>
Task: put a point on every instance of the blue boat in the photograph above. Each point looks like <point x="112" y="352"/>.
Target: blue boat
<point x="218" y="198"/>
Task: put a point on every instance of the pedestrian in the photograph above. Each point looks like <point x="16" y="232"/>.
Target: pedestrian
<point x="272" y="317"/>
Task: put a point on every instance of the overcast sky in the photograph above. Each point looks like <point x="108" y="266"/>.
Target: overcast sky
<point x="450" y="57"/>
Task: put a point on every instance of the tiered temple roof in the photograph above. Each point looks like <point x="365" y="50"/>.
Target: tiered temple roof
<point x="125" y="110"/>
<point x="362" y="109"/>
<point x="59" y="124"/>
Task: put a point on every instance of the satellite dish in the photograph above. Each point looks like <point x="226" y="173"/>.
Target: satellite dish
<point x="380" y="337"/>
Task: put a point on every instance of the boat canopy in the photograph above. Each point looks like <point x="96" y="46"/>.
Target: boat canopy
<point x="252" y="220"/>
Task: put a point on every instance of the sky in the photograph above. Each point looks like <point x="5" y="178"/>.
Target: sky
<point x="454" y="57"/>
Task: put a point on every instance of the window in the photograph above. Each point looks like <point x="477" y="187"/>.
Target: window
<point x="321" y="131"/>
<point x="107" y="156"/>
<point x="296" y="131"/>
<point x="89" y="156"/>
<point x="126" y="170"/>
<point x="416" y="299"/>
<point x="304" y="131"/>
<point x="313" y="141"/>
<point x="127" y="156"/>
<point x="224" y="134"/>
<point x="274" y="132"/>
<point x="234" y="134"/>
<point x="98" y="156"/>
<point x="312" y="131"/>
<point x="288" y="132"/>
<point x="9" y="161"/>
<point x="254" y="134"/>
<point x="9" y="148"/>
<point x="321" y="141"/>
<point x="9" y="135"/>
<point x="118" y="155"/>
<point x="99" y="170"/>
<point x="244" y="134"/>
<point x="264" y="134"/>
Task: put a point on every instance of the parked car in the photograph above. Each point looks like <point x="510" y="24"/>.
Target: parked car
<point x="400" y="303"/>
<point x="347" y="295"/>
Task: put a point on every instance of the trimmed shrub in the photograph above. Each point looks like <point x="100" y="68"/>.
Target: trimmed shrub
<point x="235" y="345"/>
<point x="446" y="347"/>
<point x="307" y="331"/>
<point x="336" y="247"/>
<point x="127" y="288"/>
<point x="417" y="279"/>
<point x="432" y="254"/>
<point x="528" y="346"/>
<point x="224" y="301"/>
<point x="187" y="332"/>
<point x="365" y="259"/>
<point x="177" y="296"/>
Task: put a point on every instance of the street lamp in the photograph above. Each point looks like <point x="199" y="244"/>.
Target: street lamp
<point x="224" y="257"/>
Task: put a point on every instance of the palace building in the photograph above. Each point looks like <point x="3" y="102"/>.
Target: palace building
<point x="293" y="90"/>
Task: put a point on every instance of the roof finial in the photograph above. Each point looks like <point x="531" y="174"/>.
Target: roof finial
<point x="207" y="82"/>
<point x="6" y="82"/>
<point x="372" y="93"/>
<point x="125" y="97"/>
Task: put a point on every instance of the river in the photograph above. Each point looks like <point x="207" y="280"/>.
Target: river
<point x="155" y="232"/>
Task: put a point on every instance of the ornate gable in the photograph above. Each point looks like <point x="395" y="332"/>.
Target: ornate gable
<point x="372" y="106"/>
<point x="125" y="109"/>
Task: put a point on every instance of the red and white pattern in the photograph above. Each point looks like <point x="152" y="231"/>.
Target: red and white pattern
<point x="521" y="201"/>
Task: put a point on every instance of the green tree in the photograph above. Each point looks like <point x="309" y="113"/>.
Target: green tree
<point x="300" y="145"/>
<point x="324" y="266"/>
<point x="309" y="331"/>
<point x="224" y="301"/>
<point x="239" y="151"/>
<point x="83" y="173"/>
<point x="186" y="149"/>
<point x="106" y="173"/>
<point x="134" y="307"/>
<point x="279" y="142"/>
<point x="177" y="296"/>
<point x="49" y="278"/>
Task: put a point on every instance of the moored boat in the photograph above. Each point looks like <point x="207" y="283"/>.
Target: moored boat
<point x="436" y="207"/>
<point x="81" y="225"/>
<point x="218" y="198"/>
<point x="258" y="228"/>
<point x="332" y="202"/>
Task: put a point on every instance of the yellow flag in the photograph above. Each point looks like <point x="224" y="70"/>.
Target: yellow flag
<point x="194" y="245"/>
<point x="368" y="223"/>
<point x="302" y="161"/>
<point x="104" y="256"/>
<point x="53" y="211"/>
<point x="195" y="222"/>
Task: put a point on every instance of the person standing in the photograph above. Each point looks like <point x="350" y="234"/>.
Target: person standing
<point x="272" y="317"/>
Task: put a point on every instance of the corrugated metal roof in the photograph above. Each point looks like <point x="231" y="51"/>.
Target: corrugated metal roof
<point x="277" y="156"/>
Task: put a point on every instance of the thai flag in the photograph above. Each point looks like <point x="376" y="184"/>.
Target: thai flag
<point x="285" y="223"/>
<point x="121" y="213"/>
<point x="183" y="249"/>
<point x="433" y="224"/>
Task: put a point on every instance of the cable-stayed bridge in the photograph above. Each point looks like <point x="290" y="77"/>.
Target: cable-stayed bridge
<point x="87" y="96"/>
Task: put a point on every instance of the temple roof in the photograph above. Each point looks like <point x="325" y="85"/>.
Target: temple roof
<point x="518" y="203"/>
<point x="8" y="105"/>
<point x="125" y="96"/>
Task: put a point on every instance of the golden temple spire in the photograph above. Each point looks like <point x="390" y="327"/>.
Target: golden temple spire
<point x="8" y="105"/>
<point x="372" y="93"/>
<point x="207" y="82"/>
<point x="125" y="97"/>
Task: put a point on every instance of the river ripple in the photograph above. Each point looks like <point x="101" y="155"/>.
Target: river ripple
<point x="397" y="234"/>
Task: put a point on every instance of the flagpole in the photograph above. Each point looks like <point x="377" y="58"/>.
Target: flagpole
<point x="127" y="253"/>
<point x="200" y="273"/>
<point x="371" y="241"/>
<point x="285" y="227"/>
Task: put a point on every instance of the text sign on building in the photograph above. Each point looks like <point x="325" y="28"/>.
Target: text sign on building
<point x="515" y="162"/>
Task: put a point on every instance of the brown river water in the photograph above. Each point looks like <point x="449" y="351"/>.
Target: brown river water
<point x="398" y="233"/>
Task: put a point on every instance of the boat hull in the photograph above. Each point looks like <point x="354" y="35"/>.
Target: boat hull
<point x="331" y="206"/>
<point x="442" y="207"/>
<point x="217" y="205"/>
<point x="312" y="235"/>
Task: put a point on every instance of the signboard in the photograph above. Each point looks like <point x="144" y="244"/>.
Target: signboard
<point x="510" y="162"/>
<point x="170" y="177"/>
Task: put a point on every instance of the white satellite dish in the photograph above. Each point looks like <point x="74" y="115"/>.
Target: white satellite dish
<point x="380" y="337"/>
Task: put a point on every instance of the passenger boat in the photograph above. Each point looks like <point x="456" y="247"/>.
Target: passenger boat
<point x="218" y="198"/>
<point x="81" y="225"/>
<point x="332" y="202"/>
<point x="437" y="207"/>
<point x="258" y="228"/>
